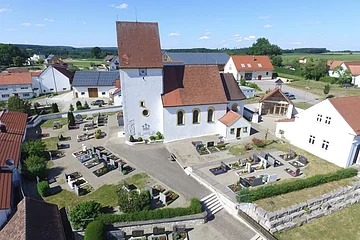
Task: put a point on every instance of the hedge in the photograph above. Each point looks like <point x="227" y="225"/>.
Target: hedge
<point x="95" y="231"/>
<point x="329" y="79"/>
<point x="246" y="195"/>
<point x="194" y="208"/>
<point x="43" y="188"/>
<point x="288" y="71"/>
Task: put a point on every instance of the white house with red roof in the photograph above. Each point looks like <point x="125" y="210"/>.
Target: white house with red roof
<point x="179" y="100"/>
<point x="329" y="130"/>
<point x="54" y="79"/>
<point x="17" y="84"/>
<point x="250" y="67"/>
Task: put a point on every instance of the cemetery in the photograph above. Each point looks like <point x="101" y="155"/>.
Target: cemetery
<point x="209" y="148"/>
<point x="223" y="168"/>
<point x="160" y="195"/>
<point x="78" y="183"/>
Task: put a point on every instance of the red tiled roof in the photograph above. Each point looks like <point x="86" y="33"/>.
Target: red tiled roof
<point x="264" y="62"/>
<point x="34" y="219"/>
<point x="231" y="87"/>
<point x="15" y="122"/>
<point x="302" y="57"/>
<point x="5" y="189"/>
<point x="230" y="118"/>
<point x="333" y="64"/>
<point x="192" y="85"/>
<point x="138" y="45"/>
<point x="15" y="78"/>
<point x="286" y="120"/>
<point x="349" y="109"/>
<point x="276" y="91"/>
<point x="354" y="67"/>
<point x="35" y="74"/>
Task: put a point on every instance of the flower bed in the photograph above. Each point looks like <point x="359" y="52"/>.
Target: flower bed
<point x="179" y="236"/>
<point x="127" y="169"/>
<point x="235" y="165"/>
<point x="203" y="151"/>
<point x="170" y="197"/>
<point x="102" y="171"/>
<point x="138" y="238"/>
<point x="159" y="237"/>
<point x="213" y="149"/>
<point x="221" y="147"/>
<point x="217" y="171"/>
<point x="235" y="187"/>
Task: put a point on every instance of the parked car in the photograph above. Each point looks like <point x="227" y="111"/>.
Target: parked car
<point x="290" y="95"/>
<point x="97" y="102"/>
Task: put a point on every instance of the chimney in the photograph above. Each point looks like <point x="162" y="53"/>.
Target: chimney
<point x="254" y="58"/>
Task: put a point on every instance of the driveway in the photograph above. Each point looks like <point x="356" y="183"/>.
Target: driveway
<point x="301" y="96"/>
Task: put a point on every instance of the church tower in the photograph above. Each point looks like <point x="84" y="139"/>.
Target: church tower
<point x="141" y="76"/>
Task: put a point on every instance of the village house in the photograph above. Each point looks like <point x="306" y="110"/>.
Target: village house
<point x="250" y="67"/>
<point x="276" y="103"/>
<point x="332" y="65"/>
<point x="302" y="60"/>
<point x="353" y="67"/>
<point x="93" y="84"/>
<point x="329" y="130"/>
<point x="12" y="134"/>
<point x="111" y="62"/>
<point x="179" y="100"/>
<point x="248" y="91"/>
<point x="18" y="84"/>
<point x="51" y="59"/>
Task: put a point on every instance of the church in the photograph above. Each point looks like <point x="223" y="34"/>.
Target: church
<point x="180" y="101"/>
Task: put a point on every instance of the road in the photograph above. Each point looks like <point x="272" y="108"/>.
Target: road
<point x="301" y="96"/>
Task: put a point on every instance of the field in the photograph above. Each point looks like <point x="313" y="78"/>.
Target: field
<point x="289" y="57"/>
<point x="82" y="63"/>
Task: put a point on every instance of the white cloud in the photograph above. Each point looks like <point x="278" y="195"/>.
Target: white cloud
<point x="237" y="35"/>
<point x="268" y="26"/>
<point x="264" y="17"/>
<point x="225" y="45"/>
<point x="84" y="23"/>
<point x="122" y="6"/>
<point x="40" y="25"/>
<point x="48" y="20"/>
<point x="11" y="29"/>
<point x="204" y="37"/>
<point x="249" y="38"/>
<point x="112" y="5"/>
<point x="5" y="10"/>
<point x="26" y="24"/>
<point x="296" y="43"/>
<point x="252" y="37"/>
<point x="239" y="40"/>
<point x="174" y="34"/>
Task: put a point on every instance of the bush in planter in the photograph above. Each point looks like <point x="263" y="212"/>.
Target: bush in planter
<point x="86" y="105"/>
<point x="152" y="138"/>
<point x="159" y="135"/>
<point x="132" y="139"/>
<point x="97" y="135"/>
<point x="95" y="231"/>
<point x="43" y="188"/>
<point x="140" y="139"/>
<point x="78" y="103"/>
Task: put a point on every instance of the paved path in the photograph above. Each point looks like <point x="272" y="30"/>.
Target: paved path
<point x="301" y="95"/>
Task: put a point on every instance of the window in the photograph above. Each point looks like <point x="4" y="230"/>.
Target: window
<point x="245" y="130"/>
<point x="210" y="116"/>
<point x="145" y="112"/>
<point x="234" y="107"/>
<point x="64" y="88"/>
<point x="143" y="72"/>
<point x="232" y="131"/>
<point x="196" y="116"/>
<point x="242" y="65"/>
<point x="325" y="145"/>
<point x="249" y="65"/>
<point x="5" y="95"/>
<point x="142" y="103"/>
<point x="180" y="117"/>
<point x="103" y="93"/>
<point x="51" y="89"/>
<point x="4" y="88"/>
<point x="82" y="93"/>
<point x="165" y="58"/>
<point x="259" y="65"/>
<point x="24" y="87"/>
<point x="319" y="118"/>
<point x="26" y="95"/>
<point x="230" y="67"/>
<point x="267" y="73"/>
<point x="44" y="90"/>
<point x="327" y="120"/>
<point x="312" y="139"/>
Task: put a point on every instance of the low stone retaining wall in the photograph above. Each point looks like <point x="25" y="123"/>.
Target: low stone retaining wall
<point x="167" y="223"/>
<point x="298" y="214"/>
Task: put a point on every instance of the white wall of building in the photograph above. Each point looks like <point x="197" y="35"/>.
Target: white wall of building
<point x="24" y="91"/>
<point x="172" y="131"/>
<point x="248" y="92"/>
<point x="136" y="88"/>
<point x="356" y="80"/>
<point x="338" y="133"/>
<point x="114" y="64"/>
<point x="265" y="75"/>
<point x="240" y="106"/>
<point x="103" y="91"/>
<point x="231" y="68"/>
<point x="244" y="126"/>
<point x="52" y="80"/>
<point x="118" y="99"/>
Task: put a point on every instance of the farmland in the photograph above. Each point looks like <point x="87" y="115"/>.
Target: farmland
<point x="289" y="57"/>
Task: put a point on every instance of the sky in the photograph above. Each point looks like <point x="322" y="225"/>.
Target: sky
<point x="186" y="23"/>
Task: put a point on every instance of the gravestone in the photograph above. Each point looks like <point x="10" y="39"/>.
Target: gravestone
<point x="121" y="167"/>
<point x="210" y="144"/>
<point x="98" y="153"/>
<point x="297" y="172"/>
<point x="244" y="182"/>
<point x="112" y="162"/>
<point x="262" y="154"/>
<point x="248" y="167"/>
<point x="272" y="178"/>
<point x="84" y="147"/>
<point x="303" y="160"/>
<point x="76" y="189"/>
<point x="224" y="167"/>
<point x="256" y="158"/>
<point x="150" y="189"/>
<point x="157" y="230"/>
<point x="257" y="182"/>
<point x="271" y="160"/>
<point x="138" y="233"/>
<point x="105" y="157"/>
<point x="37" y="179"/>
<point x="162" y="198"/>
<point x="65" y="176"/>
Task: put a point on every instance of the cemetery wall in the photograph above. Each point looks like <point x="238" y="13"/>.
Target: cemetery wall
<point x="299" y="214"/>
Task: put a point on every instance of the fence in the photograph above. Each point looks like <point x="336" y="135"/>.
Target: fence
<point x="41" y="118"/>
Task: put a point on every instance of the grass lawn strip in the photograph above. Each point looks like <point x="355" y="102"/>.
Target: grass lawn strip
<point x="50" y="143"/>
<point x="289" y="57"/>
<point x="255" y="99"/>
<point x="50" y="123"/>
<point x="339" y="225"/>
<point x="302" y="105"/>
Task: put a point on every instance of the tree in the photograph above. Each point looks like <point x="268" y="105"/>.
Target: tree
<point x="71" y="108"/>
<point x="18" y="105"/>
<point x="41" y="61"/>
<point x="315" y="69"/>
<point x="344" y="75"/>
<point x="86" y="105"/>
<point x="276" y="60"/>
<point x="326" y="89"/>
<point x="73" y="69"/>
<point x="43" y="188"/>
<point x="11" y="55"/>
<point x="95" y="231"/>
<point x="18" y="61"/>
<point x="36" y="166"/>
<point x="71" y="119"/>
<point x="78" y="103"/>
<point x="82" y="213"/>
<point x="264" y="47"/>
<point x="34" y="148"/>
<point x="133" y="201"/>
<point x="96" y="52"/>
<point x="54" y="108"/>
<point x="243" y="82"/>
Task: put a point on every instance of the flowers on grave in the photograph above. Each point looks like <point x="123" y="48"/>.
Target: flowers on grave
<point x="258" y="142"/>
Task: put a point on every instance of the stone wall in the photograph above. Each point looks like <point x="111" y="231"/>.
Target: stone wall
<point x="298" y="214"/>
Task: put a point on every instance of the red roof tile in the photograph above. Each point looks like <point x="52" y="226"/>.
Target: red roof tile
<point x="35" y="74"/>
<point x="302" y="57"/>
<point x="15" y="122"/>
<point x="231" y="87"/>
<point x="138" y="45"/>
<point x="117" y="91"/>
<point x="333" y="64"/>
<point x="192" y="85"/>
<point x="5" y="189"/>
<point x="15" y="78"/>
<point x="276" y="92"/>
<point x="353" y="67"/>
<point x="349" y="109"/>
<point x="230" y="118"/>
<point x="241" y="63"/>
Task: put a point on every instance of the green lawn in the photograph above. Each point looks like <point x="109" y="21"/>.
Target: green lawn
<point x="289" y="57"/>
<point x="82" y="63"/>
<point x="255" y="99"/>
<point x="50" y="123"/>
<point x="50" y="143"/>
<point x="302" y="105"/>
<point x="105" y="195"/>
<point x="338" y="225"/>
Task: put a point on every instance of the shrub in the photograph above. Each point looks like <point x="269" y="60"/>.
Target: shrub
<point x="95" y="231"/>
<point x="79" y="108"/>
<point x="86" y="105"/>
<point x="98" y="131"/>
<point x="54" y="108"/>
<point x="329" y="79"/>
<point x="159" y="135"/>
<point x="326" y="89"/>
<point x="84" y="210"/>
<point x="254" y="86"/>
<point x="152" y="138"/>
<point x="78" y="103"/>
<point x="71" y="108"/>
<point x="71" y="118"/>
<point x="258" y="142"/>
<point x="243" y="82"/>
<point x="194" y="208"/>
<point x="43" y="188"/>
<point x="36" y="112"/>
<point x="36" y="166"/>
<point x="97" y="135"/>
<point x="132" y="139"/>
<point x="34" y="148"/>
<point x="245" y="195"/>
<point x="131" y="202"/>
<point x="140" y="139"/>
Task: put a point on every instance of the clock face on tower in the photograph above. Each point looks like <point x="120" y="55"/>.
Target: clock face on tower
<point x="143" y="72"/>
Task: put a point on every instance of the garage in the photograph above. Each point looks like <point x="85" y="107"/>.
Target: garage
<point x="93" y="92"/>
